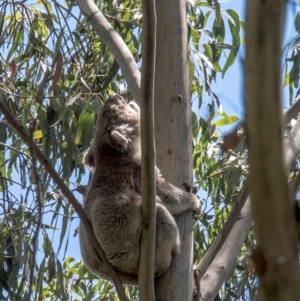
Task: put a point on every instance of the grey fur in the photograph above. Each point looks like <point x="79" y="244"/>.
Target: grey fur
<point x="113" y="201"/>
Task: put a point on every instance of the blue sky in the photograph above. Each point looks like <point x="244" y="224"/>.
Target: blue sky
<point x="230" y="89"/>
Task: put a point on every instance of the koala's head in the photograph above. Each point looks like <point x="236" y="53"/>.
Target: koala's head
<point x="117" y="113"/>
<point x="118" y="128"/>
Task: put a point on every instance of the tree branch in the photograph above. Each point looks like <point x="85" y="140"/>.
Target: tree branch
<point x="66" y="191"/>
<point x="115" y="43"/>
<point x="220" y="258"/>
<point x="222" y="237"/>
<point x="147" y="248"/>
<point x="292" y="111"/>
<point x="292" y="144"/>
<point x="273" y="213"/>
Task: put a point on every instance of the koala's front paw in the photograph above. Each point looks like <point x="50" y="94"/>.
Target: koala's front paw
<point x="194" y="198"/>
<point x="188" y="188"/>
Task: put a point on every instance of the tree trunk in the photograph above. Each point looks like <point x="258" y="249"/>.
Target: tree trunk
<point x="276" y="257"/>
<point x="173" y="135"/>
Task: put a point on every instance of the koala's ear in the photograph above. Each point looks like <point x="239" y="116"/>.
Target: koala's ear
<point x="88" y="158"/>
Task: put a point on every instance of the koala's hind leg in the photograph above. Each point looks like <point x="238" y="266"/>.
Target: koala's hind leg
<point x="167" y="239"/>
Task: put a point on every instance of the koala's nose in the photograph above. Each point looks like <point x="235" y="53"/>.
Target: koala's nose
<point x="116" y="96"/>
<point x="134" y="106"/>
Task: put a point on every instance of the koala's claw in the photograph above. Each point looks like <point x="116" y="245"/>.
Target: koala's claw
<point x="193" y="190"/>
<point x="188" y="188"/>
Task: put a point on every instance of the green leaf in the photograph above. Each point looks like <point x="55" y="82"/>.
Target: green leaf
<point x="206" y="60"/>
<point x="3" y="135"/>
<point x="37" y="135"/>
<point x="229" y="62"/>
<point x="234" y="26"/>
<point x="228" y="120"/>
<point x="225" y="46"/>
<point x="51" y="268"/>
<point x="217" y="67"/>
<point x="297" y="22"/>
<point x="86" y="121"/>
<point x="195" y="125"/>
<point x="41" y="271"/>
<point x="287" y="81"/>
<point x="17" y="38"/>
<point x="60" y="276"/>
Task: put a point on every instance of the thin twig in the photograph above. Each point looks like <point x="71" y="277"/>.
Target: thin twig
<point x="39" y="215"/>
<point x="147" y="248"/>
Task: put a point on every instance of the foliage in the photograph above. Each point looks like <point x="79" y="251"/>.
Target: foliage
<point x="55" y="73"/>
<point x="292" y="63"/>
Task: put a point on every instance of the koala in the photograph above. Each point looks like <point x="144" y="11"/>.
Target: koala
<point x="113" y="201"/>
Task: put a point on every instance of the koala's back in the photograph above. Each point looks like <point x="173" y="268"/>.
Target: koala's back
<point x="117" y="227"/>
<point x="119" y="232"/>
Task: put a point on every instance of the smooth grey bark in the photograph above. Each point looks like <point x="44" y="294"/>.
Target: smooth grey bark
<point x="273" y="213"/>
<point x="115" y="43"/>
<point x="173" y="136"/>
<point x="147" y="248"/>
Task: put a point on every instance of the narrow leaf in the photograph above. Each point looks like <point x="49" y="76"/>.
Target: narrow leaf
<point x="226" y="121"/>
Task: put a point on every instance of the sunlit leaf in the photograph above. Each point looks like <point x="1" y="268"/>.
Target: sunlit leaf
<point x="37" y="135"/>
<point x="226" y="120"/>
